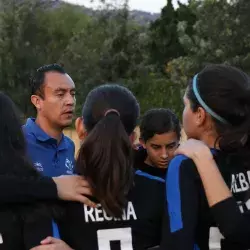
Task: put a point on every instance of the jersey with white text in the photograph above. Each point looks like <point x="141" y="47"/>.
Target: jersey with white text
<point x="188" y="218"/>
<point x="139" y="228"/>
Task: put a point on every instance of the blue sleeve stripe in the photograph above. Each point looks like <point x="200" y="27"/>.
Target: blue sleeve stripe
<point x="196" y="247"/>
<point x="173" y="193"/>
<point x="55" y="229"/>
<point x="149" y="176"/>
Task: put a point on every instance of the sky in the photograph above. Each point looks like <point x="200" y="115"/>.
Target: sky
<point x="146" y="5"/>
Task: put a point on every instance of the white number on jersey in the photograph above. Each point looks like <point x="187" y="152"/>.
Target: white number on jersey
<point x="215" y="238"/>
<point x="123" y="235"/>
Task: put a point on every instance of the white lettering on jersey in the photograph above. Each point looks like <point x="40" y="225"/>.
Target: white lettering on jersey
<point x="240" y="205"/>
<point x="98" y="214"/>
<point x="248" y="204"/>
<point x="243" y="182"/>
<point x="131" y="212"/>
<point x="248" y="175"/>
<point x="88" y="212"/>
<point x="240" y="182"/>
<point x="106" y="217"/>
<point x="215" y="238"/>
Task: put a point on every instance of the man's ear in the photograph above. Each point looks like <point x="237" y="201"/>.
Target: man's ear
<point x="36" y="101"/>
<point x="80" y="128"/>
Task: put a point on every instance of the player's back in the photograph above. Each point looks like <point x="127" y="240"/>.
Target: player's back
<point x="189" y="219"/>
<point x="84" y="227"/>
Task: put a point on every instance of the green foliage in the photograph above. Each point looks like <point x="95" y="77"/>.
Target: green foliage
<point x="221" y="35"/>
<point x="154" y="61"/>
<point x="164" y="43"/>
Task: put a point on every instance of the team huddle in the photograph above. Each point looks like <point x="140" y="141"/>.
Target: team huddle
<point x="118" y="195"/>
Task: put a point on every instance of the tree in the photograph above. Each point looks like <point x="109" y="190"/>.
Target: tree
<point x="33" y="33"/>
<point x="164" y="44"/>
<point x="110" y="49"/>
<point x="221" y="35"/>
<point x="20" y="29"/>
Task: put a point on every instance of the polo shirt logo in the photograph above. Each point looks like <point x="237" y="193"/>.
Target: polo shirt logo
<point x="69" y="165"/>
<point x="38" y="166"/>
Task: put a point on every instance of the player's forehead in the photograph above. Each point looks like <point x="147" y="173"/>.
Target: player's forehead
<point x="54" y="81"/>
<point x="164" y="139"/>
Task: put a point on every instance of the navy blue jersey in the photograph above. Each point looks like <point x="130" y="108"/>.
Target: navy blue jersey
<point x="233" y="223"/>
<point x="188" y="218"/>
<point x="139" y="164"/>
<point x="84" y="227"/>
<point x="18" y="233"/>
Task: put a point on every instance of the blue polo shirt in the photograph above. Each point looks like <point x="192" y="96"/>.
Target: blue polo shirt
<point x="48" y="157"/>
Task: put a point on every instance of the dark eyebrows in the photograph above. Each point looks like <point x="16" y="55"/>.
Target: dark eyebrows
<point x="166" y="145"/>
<point x="64" y="90"/>
<point x="171" y="143"/>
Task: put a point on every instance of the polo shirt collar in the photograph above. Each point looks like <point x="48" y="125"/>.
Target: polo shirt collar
<point x="42" y="136"/>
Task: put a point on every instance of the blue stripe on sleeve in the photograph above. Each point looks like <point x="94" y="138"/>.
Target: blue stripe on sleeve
<point x="173" y="193"/>
<point x="149" y="176"/>
<point x="196" y="247"/>
<point x="55" y="229"/>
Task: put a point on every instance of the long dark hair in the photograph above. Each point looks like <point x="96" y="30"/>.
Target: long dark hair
<point x="110" y="114"/>
<point x="226" y="90"/>
<point x="13" y="159"/>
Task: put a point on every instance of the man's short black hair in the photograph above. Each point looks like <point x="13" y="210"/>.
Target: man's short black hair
<point x="37" y="79"/>
<point x="159" y="121"/>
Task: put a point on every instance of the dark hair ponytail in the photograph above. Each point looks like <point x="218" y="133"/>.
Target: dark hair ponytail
<point x="106" y="159"/>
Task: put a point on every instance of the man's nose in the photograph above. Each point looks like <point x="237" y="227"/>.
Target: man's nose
<point x="70" y="100"/>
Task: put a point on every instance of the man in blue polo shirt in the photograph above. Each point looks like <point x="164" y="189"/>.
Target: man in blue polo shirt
<point x="53" y="95"/>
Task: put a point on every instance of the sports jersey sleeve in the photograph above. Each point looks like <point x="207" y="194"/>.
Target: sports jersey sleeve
<point x="16" y="189"/>
<point x="233" y="224"/>
<point x="182" y="193"/>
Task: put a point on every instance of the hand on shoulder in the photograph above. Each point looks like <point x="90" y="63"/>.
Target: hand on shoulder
<point x="194" y="149"/>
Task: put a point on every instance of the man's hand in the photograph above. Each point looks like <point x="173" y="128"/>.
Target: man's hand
<point x="51" y="243"/>
<point x="73" y="188"/>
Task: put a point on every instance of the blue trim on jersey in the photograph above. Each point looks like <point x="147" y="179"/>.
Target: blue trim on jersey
<point x="55" y="230"/>
<point x="149" y="176"/>
<point x="196" y="247"/>
<point x="173" y="193"/>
